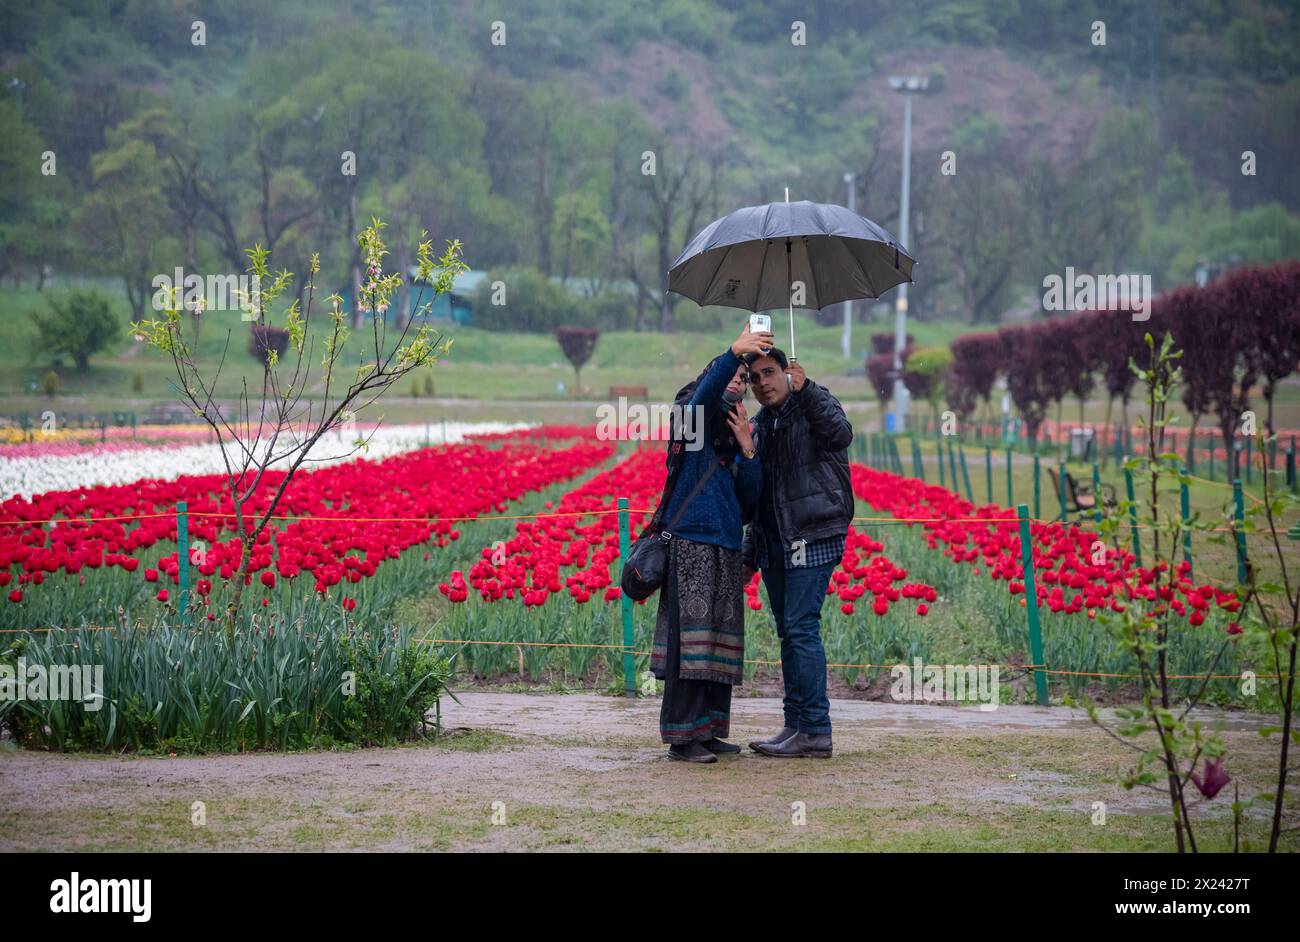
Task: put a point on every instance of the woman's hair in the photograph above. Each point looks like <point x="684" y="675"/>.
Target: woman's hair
<point x="686" y="392"/>
<point x="719" y="432"/>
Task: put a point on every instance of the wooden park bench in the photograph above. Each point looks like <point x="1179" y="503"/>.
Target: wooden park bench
<point x="1080" y="494"/>
<point x="631" y="392"/>
<point x="173" y="413"/>
<point x="170" y="413"/>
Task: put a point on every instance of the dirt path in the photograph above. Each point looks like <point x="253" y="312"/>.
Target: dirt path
<point x="587" y="772"/>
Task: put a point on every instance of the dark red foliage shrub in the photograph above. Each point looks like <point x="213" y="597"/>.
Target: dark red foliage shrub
<point x="263" y="338"/>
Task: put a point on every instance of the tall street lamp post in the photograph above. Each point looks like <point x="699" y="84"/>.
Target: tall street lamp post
<point x="907" y="85"/>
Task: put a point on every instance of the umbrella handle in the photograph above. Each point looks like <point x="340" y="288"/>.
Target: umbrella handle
<point x="790" y="286"/>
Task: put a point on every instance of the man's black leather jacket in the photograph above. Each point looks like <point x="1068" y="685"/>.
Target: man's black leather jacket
<point x="803" y="446"/>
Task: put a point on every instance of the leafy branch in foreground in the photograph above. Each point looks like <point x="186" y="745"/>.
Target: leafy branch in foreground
<point x="298" y="401"/>
<point x="1183" y="752"/>
<point x="1271" y="621"/>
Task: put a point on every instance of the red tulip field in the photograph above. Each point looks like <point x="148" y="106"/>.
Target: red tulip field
<point x="511" y="543"/>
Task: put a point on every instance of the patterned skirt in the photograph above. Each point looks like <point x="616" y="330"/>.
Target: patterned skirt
<point x="699" y="644"/>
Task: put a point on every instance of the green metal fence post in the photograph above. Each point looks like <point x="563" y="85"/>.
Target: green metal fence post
<point x="918" y="466"/>
<point x="1031" y="604"/>
<point x="624" y="548"/>
<point x="1133" y="515"/>
<point x="1062" y="480"/>
<point x="1239" y="514"/>
<point x="988" y="472"/>
<point x="952" y="467"/>
<point x="1096" y="492"/>
<point x="1186" y="507"/>
<point x="1250" y="472"/>
<point x="965" y="474"/>
<point x="1038" y="511"/>
<point x="1011" y="501"/>
<point x="183" y="561"/>
<point x="938" y="449"/>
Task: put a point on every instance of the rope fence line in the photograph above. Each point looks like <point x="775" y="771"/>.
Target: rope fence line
<point x="1041" y="521"/>
<point x="9" y="631"/>
<point x="1031" y="668"/>
<point x="433" y="519"/>
<point x="1224" y="484"/>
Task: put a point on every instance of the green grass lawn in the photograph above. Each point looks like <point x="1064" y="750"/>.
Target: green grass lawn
<point x="489" y="375"/>
<point x="482" y="365"/>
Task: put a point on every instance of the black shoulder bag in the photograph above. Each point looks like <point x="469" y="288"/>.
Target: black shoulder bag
<point x="646" y="565"/>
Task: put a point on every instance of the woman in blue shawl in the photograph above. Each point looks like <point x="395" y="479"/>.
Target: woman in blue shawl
<point x="699" y="643"/>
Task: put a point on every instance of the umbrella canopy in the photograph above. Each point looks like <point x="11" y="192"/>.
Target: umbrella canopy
<point x="750" y="258"/>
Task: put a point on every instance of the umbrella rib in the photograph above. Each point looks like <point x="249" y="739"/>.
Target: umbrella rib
<point x="812" y="270"/>
<point x="843" y="242"/>
<point x="761" y="268"/>
<point x="862" y="268"/>
<point x="722" y="257"/>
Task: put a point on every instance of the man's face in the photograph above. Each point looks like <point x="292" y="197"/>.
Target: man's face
<point x="769" y="381"/>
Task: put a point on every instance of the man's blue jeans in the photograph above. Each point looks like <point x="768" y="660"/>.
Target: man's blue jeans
<point x="796" y="596"/>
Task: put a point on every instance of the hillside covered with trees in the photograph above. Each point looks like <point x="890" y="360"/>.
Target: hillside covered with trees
<point x="139" y="135"/>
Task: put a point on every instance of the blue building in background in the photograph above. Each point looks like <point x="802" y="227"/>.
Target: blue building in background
<point x="453" y="307"/>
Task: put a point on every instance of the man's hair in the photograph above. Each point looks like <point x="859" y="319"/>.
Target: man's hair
<point x="778" y="355"/>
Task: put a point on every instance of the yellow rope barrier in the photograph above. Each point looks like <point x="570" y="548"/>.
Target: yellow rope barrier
<point x="621" y="647"/>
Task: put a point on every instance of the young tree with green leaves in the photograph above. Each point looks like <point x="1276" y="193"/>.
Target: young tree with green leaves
<point x="1174" y="753"/>
<point x="278" y="425"/>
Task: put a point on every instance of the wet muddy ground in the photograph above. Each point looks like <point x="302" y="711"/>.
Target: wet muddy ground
<point x="517" y="771"/>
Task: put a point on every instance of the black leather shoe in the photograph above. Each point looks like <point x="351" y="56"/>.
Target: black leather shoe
<point x="720" y="747"/>
<point x="799" y="746"/>
<point x="786" y="733"/>
<point x="691" y="752"/>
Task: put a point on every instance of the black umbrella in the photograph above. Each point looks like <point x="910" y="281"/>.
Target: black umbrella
<point x="751" y="259"/>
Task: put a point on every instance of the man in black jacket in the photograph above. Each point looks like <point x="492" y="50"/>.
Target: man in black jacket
<point x="797" y="537"/>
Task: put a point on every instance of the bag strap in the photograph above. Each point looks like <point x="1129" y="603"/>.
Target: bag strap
<point x="699" y="485"/>
<point x="670" y="480"/>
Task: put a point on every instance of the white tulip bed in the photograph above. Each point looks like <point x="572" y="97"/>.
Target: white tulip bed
<point x="25" y="476"/>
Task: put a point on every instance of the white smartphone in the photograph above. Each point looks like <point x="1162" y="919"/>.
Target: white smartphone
<point x="759" y="322"/>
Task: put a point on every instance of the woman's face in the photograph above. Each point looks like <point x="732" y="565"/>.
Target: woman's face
<point x="739" y="383"/>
